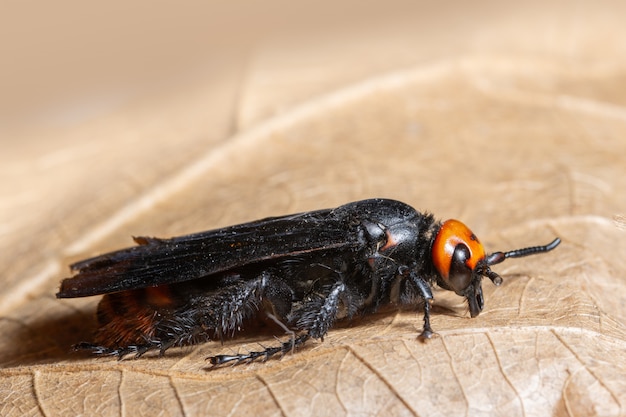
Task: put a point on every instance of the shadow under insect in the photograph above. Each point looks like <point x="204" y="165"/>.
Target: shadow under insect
<point x="45" y="340"/>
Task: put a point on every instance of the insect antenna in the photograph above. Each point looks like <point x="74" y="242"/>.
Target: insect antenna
<point x="497" y="257"/>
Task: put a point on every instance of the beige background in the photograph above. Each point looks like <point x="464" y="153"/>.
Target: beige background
<point x="147" y="119"/>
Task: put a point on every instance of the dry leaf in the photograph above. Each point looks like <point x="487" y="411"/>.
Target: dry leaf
<point x="521" y="146"/>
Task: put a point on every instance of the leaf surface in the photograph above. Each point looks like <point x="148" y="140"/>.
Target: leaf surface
<point x="514" y="125"/>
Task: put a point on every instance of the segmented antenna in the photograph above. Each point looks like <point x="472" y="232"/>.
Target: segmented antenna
<point x="497" y="257"/>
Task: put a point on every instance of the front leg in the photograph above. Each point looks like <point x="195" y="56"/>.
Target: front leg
<point x="425" y="292"/>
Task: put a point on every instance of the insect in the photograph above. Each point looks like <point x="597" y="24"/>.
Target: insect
<point x="303" y="271"/>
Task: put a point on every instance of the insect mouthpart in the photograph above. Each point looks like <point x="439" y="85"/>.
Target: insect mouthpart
<point x="460" y="261"/>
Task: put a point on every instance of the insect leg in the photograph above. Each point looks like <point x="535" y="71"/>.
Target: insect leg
<point x="131" y="327"/>
<point x="265" y="354"/>
<point x="222" y="312"/>
<point x="275" y="298"/>
<point x="317" y="319"/>
<point x="291" y="333"/>
<point x="427" y="295"/>
<point x="236" y="303"/>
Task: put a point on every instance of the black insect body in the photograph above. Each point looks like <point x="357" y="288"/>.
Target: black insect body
<point x="303" y="271"/>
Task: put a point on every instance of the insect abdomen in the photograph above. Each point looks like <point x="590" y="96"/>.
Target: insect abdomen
<point x="132" y="317"/>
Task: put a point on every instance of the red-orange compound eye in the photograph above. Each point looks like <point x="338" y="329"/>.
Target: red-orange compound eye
<point x="452" y="233"/>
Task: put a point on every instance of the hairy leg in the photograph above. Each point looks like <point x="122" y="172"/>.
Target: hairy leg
<point x="315" y="317"/>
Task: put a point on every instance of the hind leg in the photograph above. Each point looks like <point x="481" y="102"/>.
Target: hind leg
<point x="315" y="317"/>
<point x="144" y="327"/>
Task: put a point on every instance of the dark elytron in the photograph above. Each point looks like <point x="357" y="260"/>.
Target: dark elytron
<point x="303" y="271"/>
